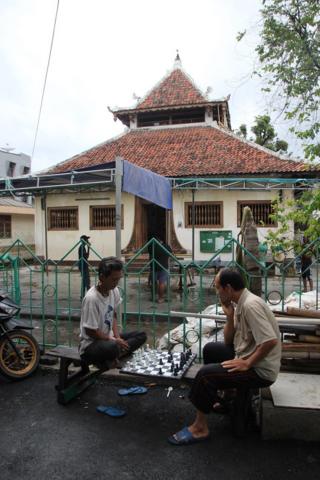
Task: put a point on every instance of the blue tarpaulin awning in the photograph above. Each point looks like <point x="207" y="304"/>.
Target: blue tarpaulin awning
<point x="146" y="184"/>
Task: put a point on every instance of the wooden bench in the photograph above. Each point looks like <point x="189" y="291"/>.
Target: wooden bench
<point x="71" y="384"/>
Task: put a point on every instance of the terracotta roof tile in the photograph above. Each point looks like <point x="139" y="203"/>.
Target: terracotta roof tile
<point x="186" y="151"/>
<point x="175" y="89"/>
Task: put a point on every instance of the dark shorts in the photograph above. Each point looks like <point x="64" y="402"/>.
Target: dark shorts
<point x="162" y="276"/>
<point x="101" y="351"/>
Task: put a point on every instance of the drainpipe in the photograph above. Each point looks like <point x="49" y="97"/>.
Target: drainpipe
<point x="193" y="222"/>
<point x="44" y="207"/>
<point x="118" y="182"/>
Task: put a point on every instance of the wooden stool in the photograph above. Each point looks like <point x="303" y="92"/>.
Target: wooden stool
<point x="242" y="409"/>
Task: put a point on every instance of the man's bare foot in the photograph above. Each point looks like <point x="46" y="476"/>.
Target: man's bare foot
<point x="198" y="431"/>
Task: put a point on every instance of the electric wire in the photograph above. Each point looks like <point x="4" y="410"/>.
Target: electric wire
<point x="45" y="81"/>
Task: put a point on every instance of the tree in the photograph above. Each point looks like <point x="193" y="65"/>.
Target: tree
<point x="242" y="130"/>
<point x="289" y="54"/>
<point x="264" y="134"/>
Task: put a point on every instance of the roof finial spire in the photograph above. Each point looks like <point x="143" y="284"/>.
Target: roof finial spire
<point x="177" y="61"/>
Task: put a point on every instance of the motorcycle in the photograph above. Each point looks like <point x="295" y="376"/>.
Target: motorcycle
<point x="19" y="350"/>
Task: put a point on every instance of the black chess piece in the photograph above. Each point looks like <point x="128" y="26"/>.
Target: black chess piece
<point x="172" y="367"/>
<point x="175" y="372"/>
<point x="161" y="362"/>
<point x="160" y="371"/>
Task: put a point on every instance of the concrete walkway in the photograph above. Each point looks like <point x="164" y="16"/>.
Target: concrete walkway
<point x="41" y="439"/>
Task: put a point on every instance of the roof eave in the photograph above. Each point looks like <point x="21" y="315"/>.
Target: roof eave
<point x="166" y="107"/>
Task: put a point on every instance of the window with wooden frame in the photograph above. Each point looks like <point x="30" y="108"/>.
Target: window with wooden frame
<point x="11" y="169"/>
<point x="65" y="218"/>
<point x="206" y="214"/>
<point x="103" y="217"/>
<point x="261" y="211"/>
<point x="5" y="226"/>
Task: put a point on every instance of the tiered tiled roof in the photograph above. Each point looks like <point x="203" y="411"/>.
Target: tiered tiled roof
<point x="186" y="151"/>
<point x="175" y="89"/>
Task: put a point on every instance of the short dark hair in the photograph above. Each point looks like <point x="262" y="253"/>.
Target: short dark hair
<point x="232" y="277"/>
<point x="108" y="265"/>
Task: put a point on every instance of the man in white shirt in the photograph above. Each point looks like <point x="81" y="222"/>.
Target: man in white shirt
<point x="100" y="340"/>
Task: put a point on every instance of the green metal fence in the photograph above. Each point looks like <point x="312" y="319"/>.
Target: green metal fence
<point x="49" y="292"/>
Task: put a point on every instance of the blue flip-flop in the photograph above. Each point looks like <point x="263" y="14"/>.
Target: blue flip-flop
<point x="111" y="411"/>
<point x="132" y="391"/>
<point x="185" y="437"/>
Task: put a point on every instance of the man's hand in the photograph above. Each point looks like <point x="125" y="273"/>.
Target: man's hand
<point x="236" y="365"/>
<point x="228" y="310"/>
<point x="122" y="343"/>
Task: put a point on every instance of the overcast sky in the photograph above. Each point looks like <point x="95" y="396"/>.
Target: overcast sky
<point x="106" y="50"/>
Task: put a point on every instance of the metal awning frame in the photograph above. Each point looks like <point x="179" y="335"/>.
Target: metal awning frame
<point x="70" y="181"/>
<point x="100" y="178"/>
<point x="244" y="183"/>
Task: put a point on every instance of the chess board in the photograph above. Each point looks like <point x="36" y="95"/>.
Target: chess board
<point x="156" y="363"/>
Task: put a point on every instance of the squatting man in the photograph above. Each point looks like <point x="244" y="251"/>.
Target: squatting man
<point x="101" y="343"/>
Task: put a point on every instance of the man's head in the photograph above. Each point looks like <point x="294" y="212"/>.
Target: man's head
<point x="110" y="272"/>
<point x="84" y="237"/>
<point x="229" y="285"/>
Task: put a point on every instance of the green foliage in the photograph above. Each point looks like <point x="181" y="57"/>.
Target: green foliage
<point x="264" y="134"/>
<point x="263" y="130"/>
<point x="242" y="130"/>
<point x="304" y="212"/>
<point x="289" y="54"/>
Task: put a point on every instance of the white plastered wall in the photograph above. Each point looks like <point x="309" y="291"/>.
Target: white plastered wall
<point x="229" y="199"/>
<point x="22" y="228"/>
<point x="103" y="241"/>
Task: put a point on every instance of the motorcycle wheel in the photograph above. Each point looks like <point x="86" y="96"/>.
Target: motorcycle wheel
<point x="18" y="367"/>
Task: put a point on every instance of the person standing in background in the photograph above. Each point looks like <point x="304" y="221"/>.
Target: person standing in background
<point x="306" y="262"/>
<point x="83" y="255"/>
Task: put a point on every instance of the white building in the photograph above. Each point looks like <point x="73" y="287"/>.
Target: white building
<point x="16" y="213"/>
<point x="177" y="132"/>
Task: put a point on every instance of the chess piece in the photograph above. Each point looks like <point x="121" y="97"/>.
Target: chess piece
<point x="160" y="371"/>
<point x="161" y="362"/>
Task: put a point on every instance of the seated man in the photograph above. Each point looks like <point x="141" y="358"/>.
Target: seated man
<point x="249" y="357"/>
<point x="100" y="340"/>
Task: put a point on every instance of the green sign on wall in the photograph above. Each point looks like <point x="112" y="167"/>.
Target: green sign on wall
<point x="211" y="242"/>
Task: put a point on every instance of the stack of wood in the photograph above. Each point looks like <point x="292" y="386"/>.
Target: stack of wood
<point x="304" y="327"/>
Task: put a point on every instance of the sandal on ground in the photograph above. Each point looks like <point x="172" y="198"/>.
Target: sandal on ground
<point x="111" y="411"/>
<point x="132" y="391"/>
<point x="185" y="437"/>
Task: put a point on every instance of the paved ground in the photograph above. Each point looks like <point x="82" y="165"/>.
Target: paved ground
<point x="41" y="439"/>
